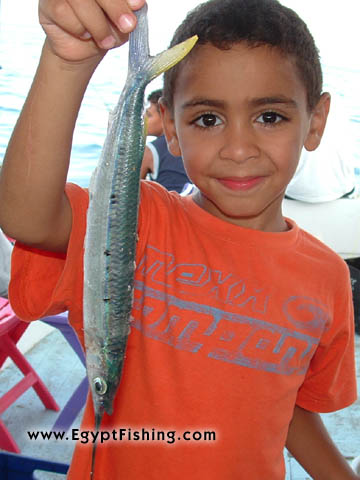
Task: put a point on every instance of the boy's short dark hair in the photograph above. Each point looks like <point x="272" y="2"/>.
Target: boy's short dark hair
<point x="224" y="23"/>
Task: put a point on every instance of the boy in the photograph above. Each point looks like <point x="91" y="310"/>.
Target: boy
<point x="243" y="323"/>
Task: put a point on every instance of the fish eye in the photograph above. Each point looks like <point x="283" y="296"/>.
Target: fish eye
<point x="100" y="385"/>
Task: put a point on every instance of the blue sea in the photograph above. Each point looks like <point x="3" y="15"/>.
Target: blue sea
<point x="20" y="45"/>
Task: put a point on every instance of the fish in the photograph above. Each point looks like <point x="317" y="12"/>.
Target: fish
<point x="111" y="232"/>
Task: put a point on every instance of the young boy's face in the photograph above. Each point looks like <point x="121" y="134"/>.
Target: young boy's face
<point x="240" y="120"/>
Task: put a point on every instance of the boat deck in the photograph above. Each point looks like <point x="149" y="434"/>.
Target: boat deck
<point x="62" y="371"/>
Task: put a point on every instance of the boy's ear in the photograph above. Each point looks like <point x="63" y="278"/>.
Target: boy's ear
<point x="318" y="122"/>
<point x="169" y="129"/>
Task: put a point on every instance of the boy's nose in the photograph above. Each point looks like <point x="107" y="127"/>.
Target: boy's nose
<point x="240" y="144"/>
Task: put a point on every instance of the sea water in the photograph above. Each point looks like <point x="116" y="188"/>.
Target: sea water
<point x="20" y="46"/>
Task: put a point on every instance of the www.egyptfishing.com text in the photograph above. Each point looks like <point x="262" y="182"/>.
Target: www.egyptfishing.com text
<point x="125" y="435"/>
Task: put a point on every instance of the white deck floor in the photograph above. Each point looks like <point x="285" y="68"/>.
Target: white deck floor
<point x="61" y="370"/>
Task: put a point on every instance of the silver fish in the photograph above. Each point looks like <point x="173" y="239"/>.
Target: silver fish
<point x="110" y="241"/>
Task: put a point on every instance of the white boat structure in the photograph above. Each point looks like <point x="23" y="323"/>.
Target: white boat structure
<point x="336" y="223"/>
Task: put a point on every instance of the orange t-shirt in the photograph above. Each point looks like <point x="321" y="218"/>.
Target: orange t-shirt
<point x="232" y="328"/>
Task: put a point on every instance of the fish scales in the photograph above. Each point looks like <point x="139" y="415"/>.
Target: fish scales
<point x="123" y="210"/>
<point x="109" y="297"/>
<point x="110" y="240"/>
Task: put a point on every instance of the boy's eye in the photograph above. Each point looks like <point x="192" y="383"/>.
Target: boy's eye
<point x="207" y="120"/>
<point x="270" y="118"/>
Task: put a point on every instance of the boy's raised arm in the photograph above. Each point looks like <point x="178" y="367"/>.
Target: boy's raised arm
<point x="33" y="206"/>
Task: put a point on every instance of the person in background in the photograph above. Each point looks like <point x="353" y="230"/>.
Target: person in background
<point x="158" y="163"/>
<point x="154" y="125"/>
<point x="327" y="173"/>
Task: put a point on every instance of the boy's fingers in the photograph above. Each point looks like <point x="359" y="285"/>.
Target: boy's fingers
<point x="108" y="22"/>
<point x="105" y="18"/>
<point x="97" y="22"/>
<point x="136" y="4"/>
<point x="59" y="13"/>
<point x="120" y="13"/>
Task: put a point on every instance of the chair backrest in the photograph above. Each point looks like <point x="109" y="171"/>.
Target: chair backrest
<point x="10" y="325"/>
<point x="3" y="302"/>
<point x="7" y="316"/>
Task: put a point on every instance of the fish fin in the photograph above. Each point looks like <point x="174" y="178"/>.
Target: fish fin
<point x="139" y="53"/>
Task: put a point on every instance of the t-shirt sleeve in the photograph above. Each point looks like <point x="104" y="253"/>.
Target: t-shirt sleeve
<point x="47" y="283"/>
<point x="330" y="382"/>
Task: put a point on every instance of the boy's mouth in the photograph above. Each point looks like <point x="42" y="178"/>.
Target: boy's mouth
<point x="240" y="183"/>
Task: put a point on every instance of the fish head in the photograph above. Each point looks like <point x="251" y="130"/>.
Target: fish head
<point x="103" y="375"/>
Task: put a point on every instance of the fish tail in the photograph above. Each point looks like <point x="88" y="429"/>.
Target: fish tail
<point x="167" y="59"/>
<point x="98" y="418"/>
<point x="139" y="55"/>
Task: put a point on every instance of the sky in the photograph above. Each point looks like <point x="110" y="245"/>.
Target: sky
<point x="334" y="24"/>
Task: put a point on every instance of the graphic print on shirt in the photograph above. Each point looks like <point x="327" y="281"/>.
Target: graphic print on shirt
<point x="235" y="328"/>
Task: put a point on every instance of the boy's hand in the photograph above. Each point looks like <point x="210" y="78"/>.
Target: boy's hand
<point x="78" y="30"/>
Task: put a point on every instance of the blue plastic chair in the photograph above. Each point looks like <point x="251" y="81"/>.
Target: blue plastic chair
<point x="18" y="467"/>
